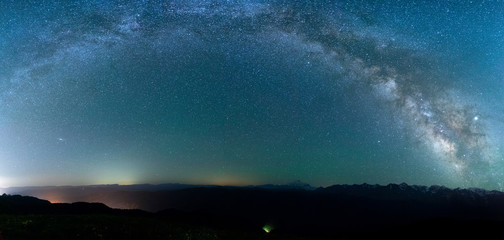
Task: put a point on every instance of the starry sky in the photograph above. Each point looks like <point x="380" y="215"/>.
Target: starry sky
<point x="252" y="92"/>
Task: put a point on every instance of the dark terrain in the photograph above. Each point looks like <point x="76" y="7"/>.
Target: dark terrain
<point x="292" y="212"/>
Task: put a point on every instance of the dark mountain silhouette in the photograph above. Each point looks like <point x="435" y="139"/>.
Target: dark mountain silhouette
<point x="23" y="205"/>
<point x="140" y="196"/>
<point x="113" y="195"/>
<point x="293" y="185"/>
<point x="339" y="210"/>
<point x="17" y="204"/>
<point x="158" y="197"/>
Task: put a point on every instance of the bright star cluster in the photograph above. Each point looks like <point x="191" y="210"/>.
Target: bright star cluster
<point x="252" y="92"/>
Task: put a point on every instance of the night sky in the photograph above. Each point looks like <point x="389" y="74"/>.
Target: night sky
<point x="252" y="92"/>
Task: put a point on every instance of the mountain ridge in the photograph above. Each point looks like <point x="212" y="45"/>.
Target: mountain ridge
<point x="291" y="185"/>
<point x="159" y="197"/>
<point x="333" y="209"/>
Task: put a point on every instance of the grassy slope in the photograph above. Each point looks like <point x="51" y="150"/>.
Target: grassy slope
<point x="100" y="226"/>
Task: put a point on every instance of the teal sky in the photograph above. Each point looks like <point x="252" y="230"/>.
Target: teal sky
<point x="252" y="92"/>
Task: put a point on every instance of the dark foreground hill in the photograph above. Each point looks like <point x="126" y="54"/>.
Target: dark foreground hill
<point x="336" y="212"/>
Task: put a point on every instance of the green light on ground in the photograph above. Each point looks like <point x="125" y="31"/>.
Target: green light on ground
<point x="267" y="228"/>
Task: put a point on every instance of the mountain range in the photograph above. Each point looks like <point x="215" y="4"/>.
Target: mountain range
<point x="294" y="208"/>
<point x="154" y="198"/>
